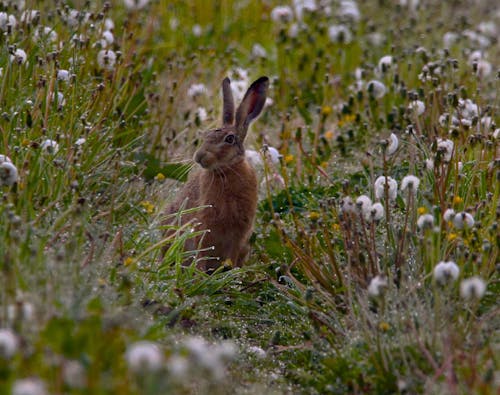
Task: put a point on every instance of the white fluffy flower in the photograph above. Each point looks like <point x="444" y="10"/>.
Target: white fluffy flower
<point x="144" y="356"/>
<point x="258" y="51"/>
<point x="108" y="37"/>
<point x="450" y="38"/>
<point x="376" y="88"/>
<point x="19" y="56"/>
<point x="4" y="158"/>
<point x="410" y="182"/>
<point x="446" y="272"/>
<point x="425" y="221"/>
<point x="380" y="185"/>
<point x="197" y="30"/>
<point x="178" y="366"/>
<point x="21" y="310"/>
<point x="472" y="288"/>
<point x="273" y="154"/>
<point x="8" y="343"/>
<point x="196" y="90"/>
<point x="467" y="109"/>
<point x="135" y="4"/>
<point x="302" y="6"/>
<point x="254" y="158"/>
<point x="377" y="286"/>
<point x="45" y="33"/>
<point x="347" y="205"/>
<point x="449" y="214"/>
<point x="30" y="386"/>
<point x="463" y="220"/>
<point x="375" y="212"/>
<point x="364" y="204"/>
<point x="201" y="114"/>
<point x="63" y="75"/>
<point x="445" y="149"/>
<point x="349" y="10"/>
<point x="385" y="63"/>
<point x="29" y="16"/>
<point x="282" y="14"/>
<point x="339" y="34"/>
<point x="7" y="21"/>
<point x="417" y="106"/>
<point x="106" y="59"/>
<point x="50" y="146"/>
<point x="8" y="173"/>
<point x="393" y="144"/>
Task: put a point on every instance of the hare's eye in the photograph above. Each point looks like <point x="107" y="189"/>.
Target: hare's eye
<point x="230" y="139"/>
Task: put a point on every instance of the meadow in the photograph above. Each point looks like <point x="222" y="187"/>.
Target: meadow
<point x="375" y="254"/>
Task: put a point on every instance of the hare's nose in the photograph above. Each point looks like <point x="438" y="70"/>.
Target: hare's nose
<point x="198" y="157"/>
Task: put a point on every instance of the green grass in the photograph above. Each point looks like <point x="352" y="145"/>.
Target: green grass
<point x="81" y="239"/>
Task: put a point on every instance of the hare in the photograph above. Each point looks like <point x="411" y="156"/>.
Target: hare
<point x="226" y="184"/>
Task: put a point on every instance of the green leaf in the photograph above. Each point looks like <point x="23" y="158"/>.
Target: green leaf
<point x="153" y="166"/>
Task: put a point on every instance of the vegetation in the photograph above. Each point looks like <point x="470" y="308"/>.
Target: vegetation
<point x="374" y="265"/>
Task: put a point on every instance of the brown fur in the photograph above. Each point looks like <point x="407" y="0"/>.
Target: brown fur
<point x="227" y="183"/>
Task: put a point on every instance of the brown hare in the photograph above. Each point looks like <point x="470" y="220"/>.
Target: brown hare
<point x="226" y="184"/>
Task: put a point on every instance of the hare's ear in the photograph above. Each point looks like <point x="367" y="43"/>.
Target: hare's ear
<point x="251" y="105"/>
<point x="228" y="106"/>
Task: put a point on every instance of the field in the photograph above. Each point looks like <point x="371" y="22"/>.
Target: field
<point x="375" y="254"/>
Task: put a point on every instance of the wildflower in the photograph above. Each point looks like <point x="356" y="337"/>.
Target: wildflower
<point x="378" y="286"/>
<point x="329" y="134"/>
<point x="421" y="210"/>
<point x="197" y="30"/>
<point x="339" y="34"/>
<point x="463" y="220"/>
<point x="381" y="183"/>
<point x="347" y="205"/>
<point x="289" y="158"/>
<point x="451" y="236"/>
<point x="375" y="213"/>
<point x="79" y="142"/>
<point x="63" y="75"/>
<point x="417" y="106"/>
<point x="73" y="374"/>
<point x="393" y="144"/>
<point x="30" y="16"/>
<point x="304" y="5"/>
<point x="364" y="204"/>
<point x="254" y="158"/>
<point x="445" y="149"/>
<point x="314" y="216"/>
<point x="273" y="154"/>
<point x="449" y="214"/>
<point x="60" y="100"/>
<point x="384" y="326"/>
<point x="444" y="120"/>
<point x="349" y="11"/>
<point x="293" y="30"/>
<point x="8" y="173"/>
<point x="7" y="21"/>
<point x="449" y="38"/>
<point x="108" y="37"/>
<point x="135" y="4"/>
<point x="8" y="343"/>
<point x="257" y="351"/>
<point x="50" y="146"/>
<point x="148" y="206"/>
<point x="160" y="177"/>
<point x="201" y="114"/>
<point x="109" y="24"/>
<point x="106" y="59"/>
<point x="19" y="56"/>
<point x="376" y="88"/>
<point x="282" y="14"/>
<point x="196" y="90"/>
<point x="472" y="288"/>
<point x="144" y="356"/>
<point x="410" y="182"/>
<point x="178" y="366"/>
<point x="385" y="63"/>
<point x="446" y="272"/>
<point x="467" y="109"/>
<point x="45" y="33"/>
<point x="30" y="386"/>
<point x="425" y="221"/>
<point x="258" y="51"/>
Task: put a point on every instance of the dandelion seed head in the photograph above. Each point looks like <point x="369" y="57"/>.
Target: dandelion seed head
<point x="417" y="106"/>
<point x="196" y="90"/>
<point x="8" y="173"/>
<point x="135" y="4"/>
<point x="258" y="51"/>
<point x="472" y="288"/>
<point x="449" y="214"/>
<point x="445" y="149"/>
<point x="376" y="88"/>
<point x="377" y="286"/>
<point x="385" y="63"/>
<point x="178" y="366"/>
<point x="463" y="220"/>
<point x="19" y="56"/>
<point x="393" y="144"/>
<point x="349" y="11"/>
<point x="347" y="205"/>
<point x="425" y="221"/>
<point x="106" y="59"/>
<point x="303" y="6"/>
<point x="446" y="272"/>
<point x="29" y="386"/>
<point x="144" y="356"/>
<point x="50" y="146"/>
<point x="9" y="343"/>
<point x="364" y="204"/>
<point x="339" y="34"/>
<point x="411" y="183"/>
<point x="282" y="14"/>
<point x="375" y="212"/>
<point x="380" y="185"/>
<point x="63" y="75"/>
<point x="254" y="158"/>
<point x="273" y="154"/>
<point x="7" y="21"/>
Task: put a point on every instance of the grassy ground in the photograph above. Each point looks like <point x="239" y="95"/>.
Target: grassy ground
<point x="100" y="111"/>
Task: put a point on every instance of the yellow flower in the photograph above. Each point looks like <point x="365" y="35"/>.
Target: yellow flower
<point x="457" y="200"/>
<point x="313" y="215"/>
<point x="422" y="210"/>
<point x="336" y="227"/>
<point x="326" y="110"/>
<point x="328" y="134"/>
<point x="128" y="261"/>
<point x="349" y="118"/>
<point x="289" y="158"/>
<point x="451" y="236"/>
<point x="25" y="142"/>
<point x="324" y="164"/>
<point x="384" y="326"/>
<point x="159" y="177"/>
<point x="148" y="206"/>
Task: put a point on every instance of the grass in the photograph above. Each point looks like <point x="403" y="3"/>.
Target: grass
<point x="338" y="297"/>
